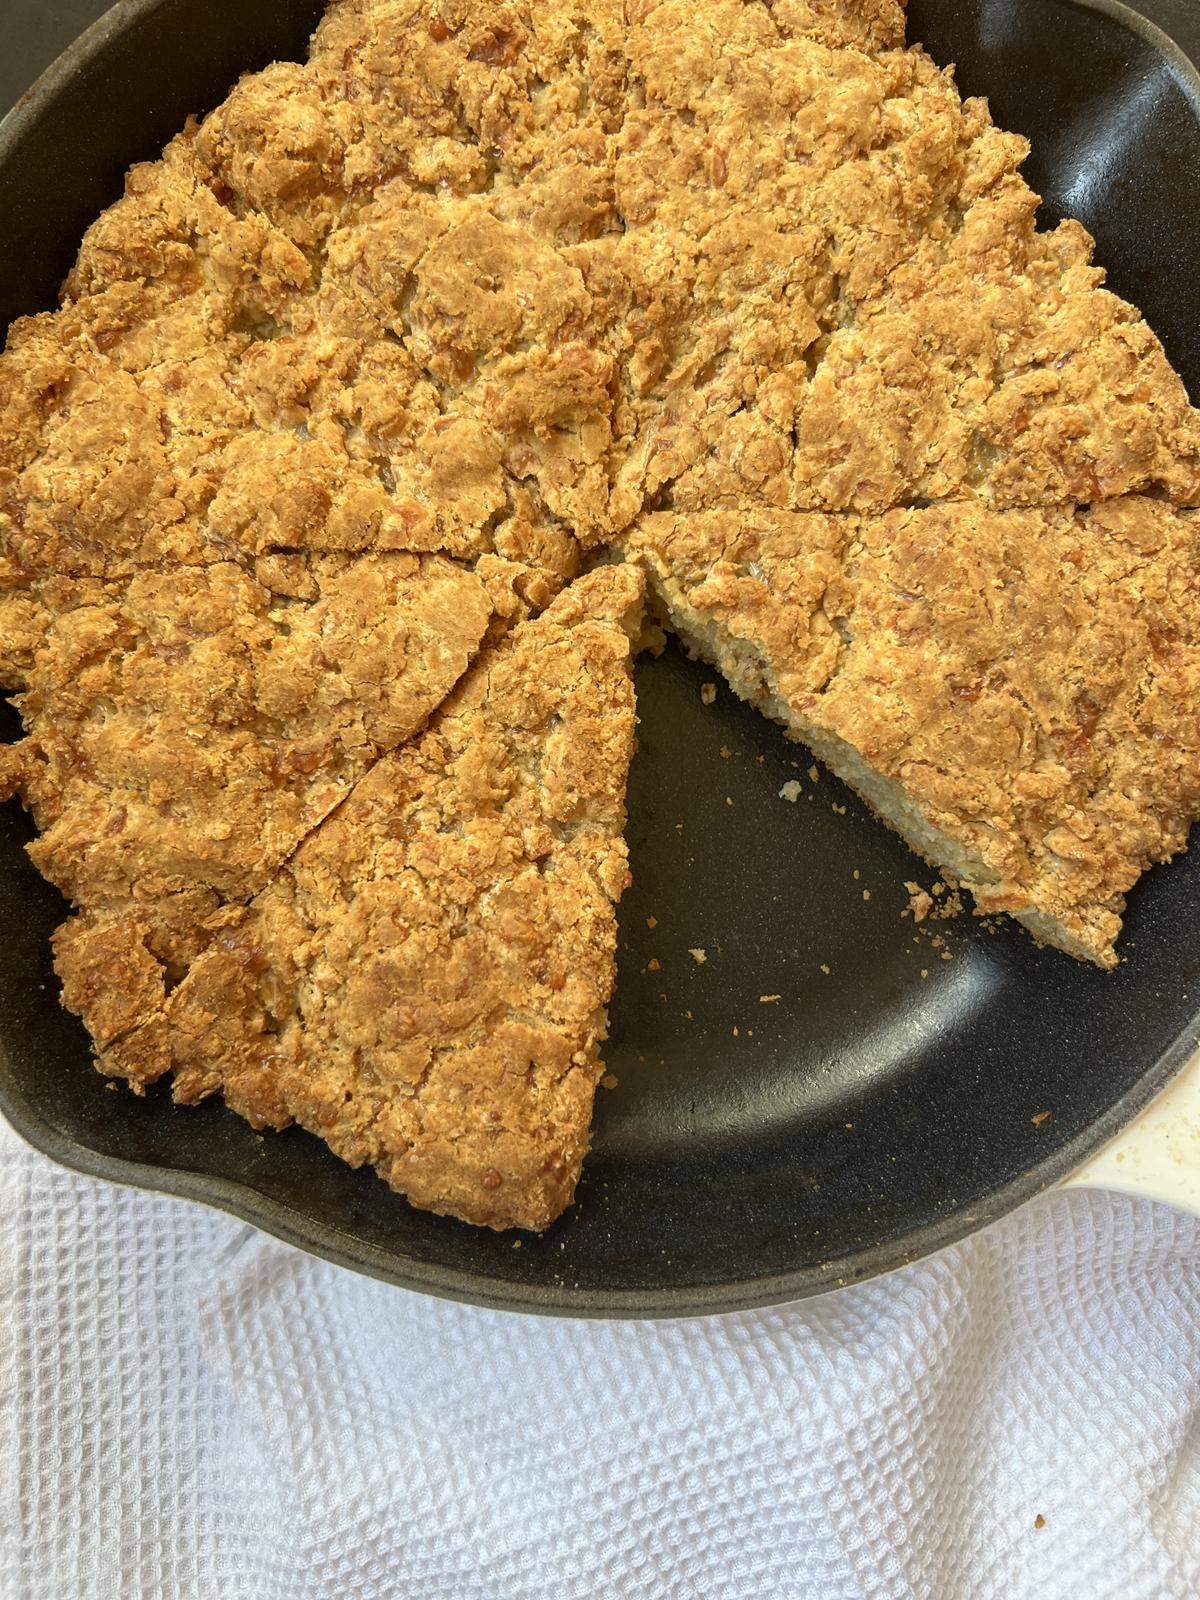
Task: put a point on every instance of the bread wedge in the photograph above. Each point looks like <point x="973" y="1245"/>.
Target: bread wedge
<point x="423" y="985"/>
<point x="1014" y="692"/>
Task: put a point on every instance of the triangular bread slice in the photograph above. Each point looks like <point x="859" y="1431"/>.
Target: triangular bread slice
<point x="1014" y="692"/>
<point x="838" y="295"/>
<point x="424" y="984"/>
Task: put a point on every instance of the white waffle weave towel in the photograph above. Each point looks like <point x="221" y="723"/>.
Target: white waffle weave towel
<point x="189" y="1409"/>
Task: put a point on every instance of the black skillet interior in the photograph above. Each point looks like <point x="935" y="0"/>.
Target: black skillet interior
<point x="890" y="1099"/>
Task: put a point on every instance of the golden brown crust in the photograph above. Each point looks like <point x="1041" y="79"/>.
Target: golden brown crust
<point x="1027" y="678"/>
<point x="838" y="298"/>
<point x="424" y="983"/>
<point x="346" y="382"/>
<point x="186" y="731"/>
<point x="699" y="251"/>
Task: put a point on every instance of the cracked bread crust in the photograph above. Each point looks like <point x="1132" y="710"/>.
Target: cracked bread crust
<point x="1014" y="691"/>
<point x="188" y="729"/>
<point x="424" y="983"/>
<point x="839" y="300"/>
<point x="343" y="387"/>
<point x="484" y="280"/>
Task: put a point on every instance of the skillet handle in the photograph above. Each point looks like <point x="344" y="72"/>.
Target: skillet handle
<point x="1157" y="1157"/>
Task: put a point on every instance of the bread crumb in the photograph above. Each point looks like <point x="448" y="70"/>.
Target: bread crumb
<point x="652" y="923"/>
<point x="924" y="972"/>
<point x="840" y="810"/>
<point x="768" y="999"/>
<point x="735" y="1033"/>
<point x="790" y="792"/>
<point x="814" y="775"/>
<point x="699" y="956"/>
<point x="857" y="874"/>
<point x="1042" y="1116"/>
<point x="726" y="752"/>
<point x="728" y="801"/>
<point x="1039" y="1521"/>
<point x="653" y="965"/>
<point x="866" y="894"/>
<point x="919" y="903"/>
<point x="708" y="693"/>
<point x="516" y="1244"/>
<point x="825" y="969"/>
<point x="609" y="1080"/>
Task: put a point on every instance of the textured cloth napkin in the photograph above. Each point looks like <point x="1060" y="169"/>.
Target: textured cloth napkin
<point x="189" y="1409"/>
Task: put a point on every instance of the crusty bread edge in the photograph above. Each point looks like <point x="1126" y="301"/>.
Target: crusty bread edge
<point x="749" y="677"/>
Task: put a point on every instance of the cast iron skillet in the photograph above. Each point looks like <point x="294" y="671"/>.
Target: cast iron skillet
<point x="751" y="1152"/>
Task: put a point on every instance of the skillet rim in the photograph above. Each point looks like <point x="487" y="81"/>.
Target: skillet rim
<point x="282" y="1221"/>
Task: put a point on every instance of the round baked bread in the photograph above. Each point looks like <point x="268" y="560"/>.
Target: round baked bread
<point x="398" y="341"/>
